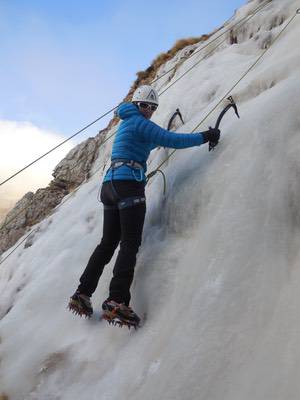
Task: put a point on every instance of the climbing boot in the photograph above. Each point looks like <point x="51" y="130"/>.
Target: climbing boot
<point x="119" y="314"/>
<point x="80" y="304"/>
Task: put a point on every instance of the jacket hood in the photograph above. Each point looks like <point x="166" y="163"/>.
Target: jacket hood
<point x="127" y="110"/>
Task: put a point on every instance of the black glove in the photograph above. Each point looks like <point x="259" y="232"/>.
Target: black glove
<point x="212" y="136"/>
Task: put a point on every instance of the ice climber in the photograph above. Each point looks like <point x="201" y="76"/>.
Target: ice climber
<point x="123" y="197"/>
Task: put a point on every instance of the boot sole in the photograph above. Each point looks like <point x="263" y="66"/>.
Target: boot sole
<point x="75" y="307"/>
<point x="114" y="319"/>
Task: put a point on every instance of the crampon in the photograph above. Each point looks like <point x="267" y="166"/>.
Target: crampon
<point x="118" y="314"/>
<point x="80" y="304"/>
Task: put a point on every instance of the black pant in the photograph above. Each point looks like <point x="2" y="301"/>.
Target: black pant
<point x="124" y="215"/>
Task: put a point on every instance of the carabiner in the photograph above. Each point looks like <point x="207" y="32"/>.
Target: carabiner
<point x="141" y="175"/>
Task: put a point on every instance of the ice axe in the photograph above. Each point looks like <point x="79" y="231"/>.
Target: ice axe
<point x="231" y="104"/>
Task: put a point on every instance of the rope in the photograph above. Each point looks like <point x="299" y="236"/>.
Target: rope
<point x="23" y="240"/>
<point x="114" y="108"/>
<point x="212" y="51"/>
<point x="54" y="210"/>
<point x="56" y="147"/>
<point x="25" y="208"/>
<point x="231" y="89"/>
<point x="255" y="11"/>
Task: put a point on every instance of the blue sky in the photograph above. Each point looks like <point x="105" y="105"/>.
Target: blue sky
<point x="64" y="63"/>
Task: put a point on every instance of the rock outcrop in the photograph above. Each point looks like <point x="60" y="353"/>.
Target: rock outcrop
<point x="34" y="207"/>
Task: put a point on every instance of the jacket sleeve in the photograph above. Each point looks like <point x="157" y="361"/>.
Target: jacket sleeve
<point x="149" y="132"/>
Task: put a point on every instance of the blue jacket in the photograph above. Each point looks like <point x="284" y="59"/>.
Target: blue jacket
<point x="137" y="136"/>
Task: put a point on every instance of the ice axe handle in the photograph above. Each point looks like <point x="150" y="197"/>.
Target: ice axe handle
<point x="231" y="104"/>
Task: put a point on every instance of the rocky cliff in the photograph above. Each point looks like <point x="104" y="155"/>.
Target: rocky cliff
<point x="34" y="207"/>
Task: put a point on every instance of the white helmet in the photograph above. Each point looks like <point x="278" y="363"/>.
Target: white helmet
<point x="145" y="93"/>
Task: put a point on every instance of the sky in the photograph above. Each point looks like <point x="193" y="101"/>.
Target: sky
<point x="65" y="63"/>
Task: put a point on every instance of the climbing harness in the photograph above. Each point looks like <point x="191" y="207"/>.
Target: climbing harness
<point x="119" y="162"/>
<point x="129" y="201"/>
<point x="125" y="203"/>
<point x="231" y="104"/>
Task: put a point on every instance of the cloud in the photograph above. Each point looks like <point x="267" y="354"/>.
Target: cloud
<point x="21" y="143"/>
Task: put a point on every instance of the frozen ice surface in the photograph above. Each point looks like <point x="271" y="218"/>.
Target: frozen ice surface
<point x="218" y="271"/>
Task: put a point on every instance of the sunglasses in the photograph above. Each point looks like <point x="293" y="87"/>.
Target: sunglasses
<point x="147" y="106"/>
